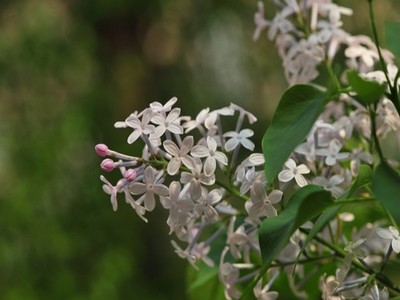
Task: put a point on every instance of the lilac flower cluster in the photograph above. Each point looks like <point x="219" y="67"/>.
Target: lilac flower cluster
<point x="308" y="33"/>
<point x="213" y="184"/>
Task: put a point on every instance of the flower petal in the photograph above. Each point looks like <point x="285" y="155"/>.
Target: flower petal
<point x="300" y="180"/>
<point x="285" y="175"/>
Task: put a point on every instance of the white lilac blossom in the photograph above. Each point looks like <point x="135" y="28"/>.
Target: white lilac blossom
<point x="241" y="138"/>
<point x="305" y="42"/>
<point x="392" y="234"/>
<point x="332" y="153"/>
<point x="294" y="171"/>
<point x="179" y="155"/>
<point x="211" y="154"/>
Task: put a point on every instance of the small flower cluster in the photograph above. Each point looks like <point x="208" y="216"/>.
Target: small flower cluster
<point x="309" y="32"/>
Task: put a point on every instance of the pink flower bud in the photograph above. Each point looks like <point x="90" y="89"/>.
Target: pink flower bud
<point x="101" y="149"/>
<point x="130" y="175"/>
<point x="107" y="165"/>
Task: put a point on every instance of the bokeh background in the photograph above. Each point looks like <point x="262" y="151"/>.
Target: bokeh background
<point x="68" y="71"/>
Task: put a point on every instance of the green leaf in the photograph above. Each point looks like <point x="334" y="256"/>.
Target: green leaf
<point x="205" y="283"/>
<point x="275" y="232"/>
<point x="368" y="91"/>
<point x="386" y="188"/>
<point x="299" y="108"/>
<point x="392" y="30"/>
<point x="364" y="177"/>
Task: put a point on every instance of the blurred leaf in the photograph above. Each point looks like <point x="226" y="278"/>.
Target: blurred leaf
<point x="275" y="232"/>
<point x="205" y="283"/>
<point x="386" y="187"/>
<point x="203" y="275"/>
<point x="298" y="109"/>
<point x="392" y="30"/>
<point x="364" y="177"/>
<point x="368" y="91"/>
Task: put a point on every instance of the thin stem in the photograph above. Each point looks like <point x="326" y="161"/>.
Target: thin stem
<point x="302" y="261"/>
<point x="356" y="264"/>
<point x="393" y="91"/>
<point x="372" y="115"/>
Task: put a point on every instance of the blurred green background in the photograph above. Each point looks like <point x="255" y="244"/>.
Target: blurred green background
<point x="68" y="71"/>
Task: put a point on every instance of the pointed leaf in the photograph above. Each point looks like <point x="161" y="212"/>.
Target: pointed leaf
<point x="368" y="91"/>
<point x="364" y="177"/>
<point x="275" y="232"/>
<point x="298" y="109"/>
<point x="386" y="188"/>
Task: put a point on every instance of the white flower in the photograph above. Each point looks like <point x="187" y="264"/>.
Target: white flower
<point x="357" y="156"/>
<point x="211" y="154"/>
<point x="261" y="204"/>
<point x="140" y="126"/>
<point x="169" y="123"/>
<point x="204" y="206"/>
<point x="122" y="186"/>
<point x="250" y="117"/>
<point x="180" y="155"/>
<point x="250" y="177"/>
<point x="380" y="77"/>
<point x="330" y="184"/>
<point x="196" y="178"/>
<point x="375" y="294"/>
<point x="239" y="241"/>
<point x="200" y="118"/>
<point x="294" y="171"/>
<point x="391" y="234"/>
<point x="332" y="153"/>
<point x="149" y="188"/>
<point x="108" y="188"/>
<point x="179" y="205"/>
<point x="240" y="138"/>
<point x="260" y="21"/>
<point x="263" y="293"/>
<point x="158" y="107"/>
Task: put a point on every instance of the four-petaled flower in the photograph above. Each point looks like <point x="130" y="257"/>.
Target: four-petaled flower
<point x="140" y="126"/>
<point x="390" y="233"/>
<point x="179" y="155"/>
<point x="332" y="153"/>
<point x="211" y="154"/>
<point x="240" y="138"/>
<point x="167" y="123"/>
<point x="294" y="171"/>
<point x="150" y="187"/>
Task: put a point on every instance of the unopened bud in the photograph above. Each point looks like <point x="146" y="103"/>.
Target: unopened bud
<point x="130" y="175"/>
<point x="107" y="165"/>
<point x="101" y="149"/>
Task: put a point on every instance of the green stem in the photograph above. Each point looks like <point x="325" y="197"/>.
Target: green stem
<point x="372" y="115"/>
<point x="356" y="264"/>
<point x="354" y="200"/>
<point x="332" y="75"/>
<point x="302" y="261"/>
<point x="393" y="91"/>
